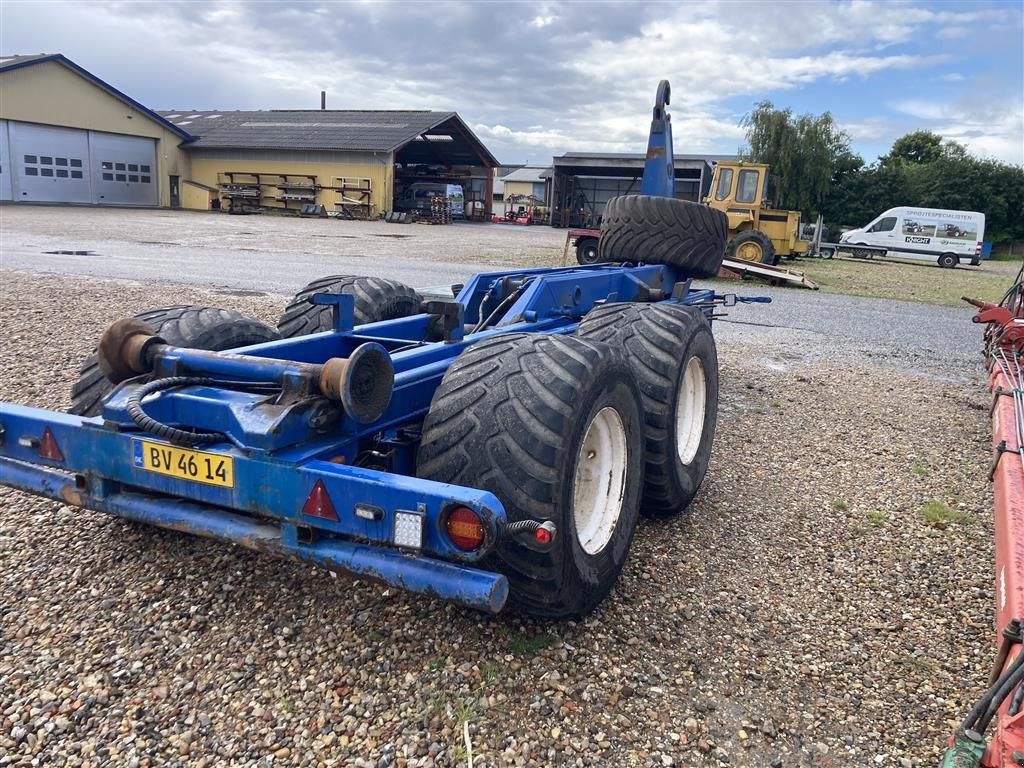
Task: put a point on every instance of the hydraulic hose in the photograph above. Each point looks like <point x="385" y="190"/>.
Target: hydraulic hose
<point x="1010" y="682"/>
<point x="978" y="718"/>
<point x="186" y="437"/>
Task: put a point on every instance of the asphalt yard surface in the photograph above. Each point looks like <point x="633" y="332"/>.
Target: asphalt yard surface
<point x="826" y="601"/>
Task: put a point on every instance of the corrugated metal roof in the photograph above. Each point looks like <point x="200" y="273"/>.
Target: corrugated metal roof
<point x="11" y="62"/>
<point x="528" y="174"/>
<point x="641" y="156"/>
<point x="338" y="130"/>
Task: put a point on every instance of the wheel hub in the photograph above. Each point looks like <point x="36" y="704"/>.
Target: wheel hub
<point x="690" y="408"/>
<point x="749" y="251"/>
<point x="599" y="483"/>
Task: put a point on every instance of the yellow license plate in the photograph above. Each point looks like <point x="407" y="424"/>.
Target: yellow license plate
<point x="184" y="463"/>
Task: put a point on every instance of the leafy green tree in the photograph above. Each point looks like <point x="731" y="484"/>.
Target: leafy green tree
<point x="914" y="148"/>
<point x="923" y="170"/>
<point x="807" y="155"/>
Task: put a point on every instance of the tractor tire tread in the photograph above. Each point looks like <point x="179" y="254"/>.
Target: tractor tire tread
<point x="376" y="299"/>
<point x="663" y="230"/>
<point x="509" y="434"/>
<point x="651" y="335"/>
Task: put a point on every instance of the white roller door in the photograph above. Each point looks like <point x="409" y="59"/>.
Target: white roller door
<point x="123" y="169"/>
<point x="70" y="165"/>
<point x="6" y="190"/>
<point x="50" y="164"/>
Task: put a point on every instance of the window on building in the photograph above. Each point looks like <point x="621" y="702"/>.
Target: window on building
<point x="76" y="174"/>
<point x="133" y="167"/>
<point x="31" y="171"/>
<point x="144" y="168"/>
<point x="119" y="166"/>
<point x="120" y="177"/>
<point x="145" y="179"/>
<point x="746" y="189"/>
<point x="46" y="171"/>
<point x="44" y="160"/>
<point x="31" y="159"/>
<point x="133" y="178"/>
<point x="61" y="161"/>
<point x="61" y="173"/>
<point x="76" y="163"/>
<point x="108" y="177"/>
<point x="107" y="166"/>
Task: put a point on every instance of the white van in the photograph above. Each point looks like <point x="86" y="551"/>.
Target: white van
<point x="924" y="234"/>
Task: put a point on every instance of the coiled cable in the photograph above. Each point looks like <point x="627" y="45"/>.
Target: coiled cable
<point x="147" y="423"/>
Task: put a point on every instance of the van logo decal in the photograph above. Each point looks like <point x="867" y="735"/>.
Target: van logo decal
<point x="925" y="240"/>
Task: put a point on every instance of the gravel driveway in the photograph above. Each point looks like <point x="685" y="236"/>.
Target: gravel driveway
<point x="804" y="612"/>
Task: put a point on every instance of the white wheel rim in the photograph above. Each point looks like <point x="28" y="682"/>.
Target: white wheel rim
<point x="690" y="407"/>
<point x="600" y="480"/>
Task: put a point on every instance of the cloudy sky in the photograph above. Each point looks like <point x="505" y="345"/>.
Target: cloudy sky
<point x="537" y="78"/>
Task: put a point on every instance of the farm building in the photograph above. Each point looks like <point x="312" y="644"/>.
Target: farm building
<point x="582" y="182"/>
<point x="363" y="162"/>
<point x="66" y="136"/>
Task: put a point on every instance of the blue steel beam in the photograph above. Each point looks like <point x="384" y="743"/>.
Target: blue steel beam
<point x="263" y="485"/>
<point x="471" y="587"/>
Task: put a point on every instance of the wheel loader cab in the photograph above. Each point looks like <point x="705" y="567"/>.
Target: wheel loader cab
<point x="737" y="190"/>
<point x="757" y="232"/>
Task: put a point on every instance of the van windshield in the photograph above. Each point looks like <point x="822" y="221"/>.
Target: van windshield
<point x="887" y="224"/>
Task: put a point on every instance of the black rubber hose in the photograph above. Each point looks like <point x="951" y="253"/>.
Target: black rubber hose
<point x="147" y="423"/>
<point x="986" y="699"/>
<point x="1018" y="700"/>
<point x="1004" y="690"/>
<point x="502" y="307"/>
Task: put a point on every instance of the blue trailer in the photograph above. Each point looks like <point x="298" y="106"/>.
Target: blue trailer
<point x="492" y="449"/>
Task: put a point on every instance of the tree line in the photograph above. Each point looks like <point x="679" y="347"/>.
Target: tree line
<point x="814" y="171"/>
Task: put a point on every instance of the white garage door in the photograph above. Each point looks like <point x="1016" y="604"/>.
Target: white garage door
<point x="6" y="190"/>
<point x="123" y="170"/>
<point x="50" y="164"/>
<point x="70" y="165"/>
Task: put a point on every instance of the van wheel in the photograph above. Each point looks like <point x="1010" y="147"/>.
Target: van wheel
<point x="948" y="260"/>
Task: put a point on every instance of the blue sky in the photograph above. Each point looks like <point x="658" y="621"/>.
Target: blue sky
<point x="539" y="78"/>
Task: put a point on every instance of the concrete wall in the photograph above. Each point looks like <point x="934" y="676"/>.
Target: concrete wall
<point x="51" y="94"/>
<point x="208" y="167"/>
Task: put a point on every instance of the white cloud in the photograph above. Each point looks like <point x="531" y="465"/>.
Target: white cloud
<point x="559" y="77"/>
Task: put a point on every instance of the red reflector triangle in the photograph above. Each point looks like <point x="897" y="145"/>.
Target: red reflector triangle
<point x="319" y="503"/>
<point x="48" y="447"/>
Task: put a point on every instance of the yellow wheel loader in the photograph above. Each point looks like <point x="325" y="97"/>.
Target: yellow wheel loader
<point x="757" y="233"/>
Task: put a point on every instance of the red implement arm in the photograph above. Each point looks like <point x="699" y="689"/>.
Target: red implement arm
<point x="999" y="715"/>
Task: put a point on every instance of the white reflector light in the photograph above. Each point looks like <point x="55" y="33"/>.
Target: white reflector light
<point x="408" y="529"/>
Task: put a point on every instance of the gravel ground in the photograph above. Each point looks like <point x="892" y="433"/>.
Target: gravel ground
<point x="266" y="253"/>
<point x="803" y="613"/>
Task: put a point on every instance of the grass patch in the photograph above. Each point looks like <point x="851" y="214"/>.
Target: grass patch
<point x="920" y="469"/>
<point x="878" y="518"/>
<point x="523" y="644"/>
<point x="839" y="505"/>
<point x="924" y="282"/>
<point x="938" y="514"/>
